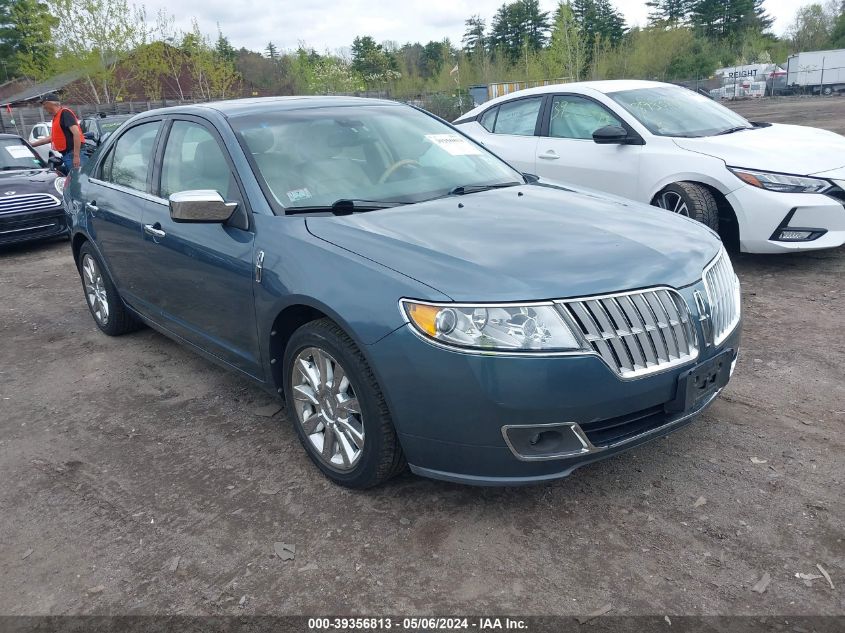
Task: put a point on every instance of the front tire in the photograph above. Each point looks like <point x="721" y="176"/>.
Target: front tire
<point x="692" y="200"/>
<point x="338" y="408"/>
<point x="101" y="296"/>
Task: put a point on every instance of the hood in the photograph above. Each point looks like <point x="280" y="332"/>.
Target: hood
<point x="789" y="149"/>
<point x="28" y="181"/>
<point x="531" y="242"/>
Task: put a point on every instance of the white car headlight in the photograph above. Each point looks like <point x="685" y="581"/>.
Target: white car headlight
<point x="783" y="183"/>
<point x="59" y="184"/>
<point x="499" y="328"/>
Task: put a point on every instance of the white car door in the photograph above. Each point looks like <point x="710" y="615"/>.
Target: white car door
<point x="566" y="151"/>
<point x="509" y="131"/>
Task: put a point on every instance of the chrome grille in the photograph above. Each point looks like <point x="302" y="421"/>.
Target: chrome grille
<point x="27" y="202"/>
<point x="638" y="332"/>
<point x="722" y="287"/>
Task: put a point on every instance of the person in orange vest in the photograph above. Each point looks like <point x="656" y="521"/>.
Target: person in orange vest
<point x="66" y="135"/>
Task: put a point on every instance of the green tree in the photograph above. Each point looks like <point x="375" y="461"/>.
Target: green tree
<point x="475" y="40"/>
<point x="372" y="62"/>
<point x="729" y="19"/>
<point x="599" y="22"/>
<point x="32" y="23"/>
<point x="519" y="28"/>
<point x="669" y="11"/>
<point x="93" y="36"/>
<point x="271" y="51"/>
<point x="566" y="55"/>
<point x="223" y="48"/>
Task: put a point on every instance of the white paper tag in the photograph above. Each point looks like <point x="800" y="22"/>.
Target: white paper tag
<point x="454" y="144"/>
<point x="299" y="194"/>
<point x="19" y="151"/>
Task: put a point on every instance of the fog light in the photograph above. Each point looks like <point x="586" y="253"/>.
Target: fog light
<point x="794" y="236"/>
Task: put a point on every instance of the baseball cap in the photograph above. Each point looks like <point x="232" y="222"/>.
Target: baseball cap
<point x="50" y="96"/>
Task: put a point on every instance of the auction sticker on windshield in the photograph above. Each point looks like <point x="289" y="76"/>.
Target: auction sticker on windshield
<point x="18" y="151"/>
<point x="454" y="144"/>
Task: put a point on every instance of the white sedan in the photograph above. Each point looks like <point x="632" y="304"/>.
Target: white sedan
<point x="768" y="188"/>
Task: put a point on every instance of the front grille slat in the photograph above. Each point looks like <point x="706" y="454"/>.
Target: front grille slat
<point x="638" y="332"/>
<point x="722" y="288"/>
<point x="27" y="202"/>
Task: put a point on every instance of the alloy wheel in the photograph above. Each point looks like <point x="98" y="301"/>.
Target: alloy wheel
<point x="673" y="202"/>
<point x="95" y="289"/>
<point x="327" y="407"/>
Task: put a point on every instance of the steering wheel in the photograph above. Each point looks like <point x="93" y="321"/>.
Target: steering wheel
<point x="397" y="165"/>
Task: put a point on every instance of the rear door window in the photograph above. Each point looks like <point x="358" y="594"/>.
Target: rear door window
<point x="518" y="117"/>
<point x="128" y="163"/>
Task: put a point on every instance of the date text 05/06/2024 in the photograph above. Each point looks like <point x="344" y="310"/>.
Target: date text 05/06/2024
<point x="417" y="624"/>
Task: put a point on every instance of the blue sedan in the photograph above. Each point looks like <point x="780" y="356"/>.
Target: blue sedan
<point x="413" y="299"/>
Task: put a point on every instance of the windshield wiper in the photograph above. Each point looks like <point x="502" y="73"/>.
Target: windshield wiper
<point x="346" y="206"/>
<point x="465" y="189"/>
<point x="731" y="130"/>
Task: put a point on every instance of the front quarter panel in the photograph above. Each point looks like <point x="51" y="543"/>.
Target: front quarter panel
<point x="361" y="296"/>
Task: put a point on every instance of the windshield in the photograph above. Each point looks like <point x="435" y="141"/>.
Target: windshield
<point x="379" y="153"/>
<point x="110" y="125"/>
<point x="673" y="111"/>
<point x="15" y="154"/>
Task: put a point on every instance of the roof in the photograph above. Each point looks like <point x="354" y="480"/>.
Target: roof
<point x="54" y="84"/>
<point x="4" y="137"/>
<point x="240" y="107"/>
<point x="587" y="87"/>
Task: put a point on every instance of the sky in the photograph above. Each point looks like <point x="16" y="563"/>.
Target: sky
<point x="333" y="24"/>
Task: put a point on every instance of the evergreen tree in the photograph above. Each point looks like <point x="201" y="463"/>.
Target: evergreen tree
<point x="671" y="11"/>
<point x="223" y="48"/>
<point x="728" y="19"/>
<point x="519" y="27"/>
<point x="474" y="40"/>
<point x="600" y="22"/>
<point x="272" y="51"/>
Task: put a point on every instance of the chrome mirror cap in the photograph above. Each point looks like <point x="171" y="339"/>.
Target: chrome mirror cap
<point x="200" y="205"/>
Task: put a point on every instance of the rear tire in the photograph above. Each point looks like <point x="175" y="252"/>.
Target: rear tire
<point x="692" y="200"/>
<point x="338" y="409"/>
<point x="101" y="296"/>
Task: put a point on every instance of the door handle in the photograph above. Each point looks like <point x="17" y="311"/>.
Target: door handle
<point x="154" y="230"/>
<point x="92" y="206"/>
<point x="550" y="155"/>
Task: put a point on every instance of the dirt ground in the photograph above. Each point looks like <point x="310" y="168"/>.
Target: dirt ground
<point x="136" y="478"/>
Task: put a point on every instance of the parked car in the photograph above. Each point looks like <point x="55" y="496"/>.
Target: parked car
<point x="39" y="131"/>
<point x="769" y="188"/>
<point x="30" y="194"/>
<point x="409" y="295"/>
<point x="97" y="128"/>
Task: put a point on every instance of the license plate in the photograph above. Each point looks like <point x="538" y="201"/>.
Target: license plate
<point x="702" y="381"/>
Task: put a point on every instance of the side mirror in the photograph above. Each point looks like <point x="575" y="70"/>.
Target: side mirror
<point x="55" y="162"/>
<point x="530" y="178"/>
<point x="201" y="205"/>
<point x="611" y="135"/>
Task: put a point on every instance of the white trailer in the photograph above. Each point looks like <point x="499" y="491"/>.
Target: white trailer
<point x="817" y="72"/>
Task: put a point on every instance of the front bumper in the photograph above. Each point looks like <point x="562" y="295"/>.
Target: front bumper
<point x="451" y="410"/>
<point x="761" y="214"/>
<point x="33" y="225"/>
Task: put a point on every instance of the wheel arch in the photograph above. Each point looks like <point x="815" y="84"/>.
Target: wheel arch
<point x="297" y="312"/>
<point x="728" y="223"/>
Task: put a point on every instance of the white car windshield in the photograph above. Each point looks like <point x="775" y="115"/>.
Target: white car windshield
<point x="375" y="153"/>
<point x="673" y="111"/>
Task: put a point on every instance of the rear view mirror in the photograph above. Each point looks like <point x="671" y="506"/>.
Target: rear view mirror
<point x="201" y="205"/>
<point x="611" y="135"/>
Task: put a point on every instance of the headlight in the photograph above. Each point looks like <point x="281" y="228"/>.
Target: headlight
<point x="503" y="328"/>
<point x="59" y="184"/>
<point x="783" y="183"/>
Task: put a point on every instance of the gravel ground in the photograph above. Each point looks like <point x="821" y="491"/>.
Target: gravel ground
<point x="139" y="479"/>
